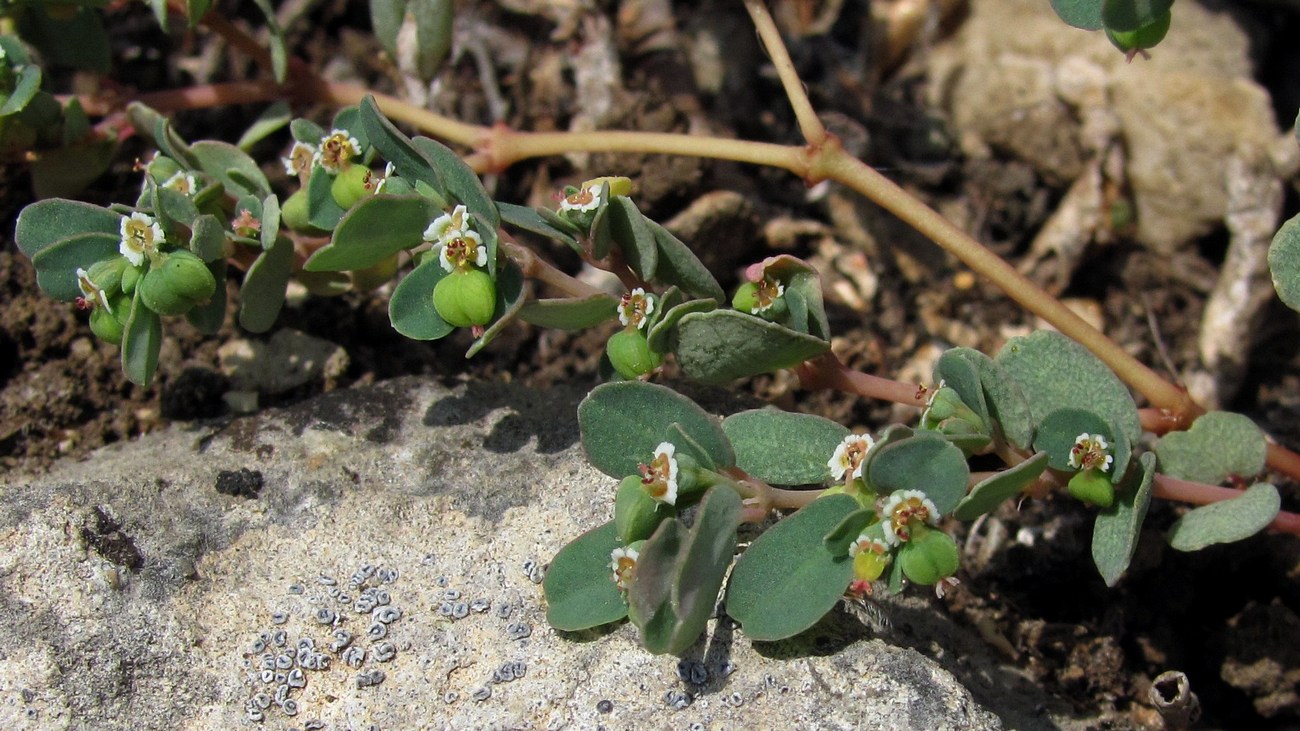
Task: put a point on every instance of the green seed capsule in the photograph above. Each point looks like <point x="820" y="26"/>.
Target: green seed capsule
<point x="1143" y="38"/>
<point x="349" y="186"/>
<point x="466" y="298"/>
<point x="295" y="214"/>
<point x="631" y="355"/>
<point x="746" y="297"/>
<point x="929" y="557"/>
<point x="105" y="326"/>
<point x="177" y="284"/>
<point x="1093" y="487"/>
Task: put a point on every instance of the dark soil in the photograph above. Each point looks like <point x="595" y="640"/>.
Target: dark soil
<point x="1225" y="616"/>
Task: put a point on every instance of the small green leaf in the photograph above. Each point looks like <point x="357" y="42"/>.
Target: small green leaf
<point x="1218" y="446"/>
<point x="679" y="266"/>
<point x="1126" y="15"/>
<point x="529" y="219"/>
<point x="208" y="240"/>
<point x="664" y="320"/>
<point x="411" y="306"/>
<point x="841" y="538"/>
<point x="398" y="149"/>
<point x="922" y="462"/>
<point x="723" y="345"/>
<point x="386" y="22"/>
<point x="232" y="166"/>
<point x="173" y="209"/>
<point x="1008" y="483"/>
<point x="141" y="342"/>
<point x="1054" y="373"/>
<point x="787" y="579"/>
<point x="1284" y="262"/>
<point x="1230" y="520"/>
<point x="783" y="448"/>
<point x="1059" y="430"/>
<point x="76" y="125"/>
<point x="307" y="131"/>
<point x="958" y="369"/>
<point x="622" y="423"/>
<point x="375" y="229"/>
<point x="262" y="294"/>
<point x="433" y="29"/>
<point x="628" y="229"/>
<point x="578" y="588"/>
<point x="1085" y="14"/>
<point x="648" y="599"/>
<point x="1117" y="529"/>
<point x="461" y="183"/>
<point x="323" y="211"/>
<point x="26" y="86"/>
<point x="57" y="264"/>
<point x="270" y="221"/>
<point x="44" y="222"/>
<point x="570" y="313"/>
<point x="272" y="119"/>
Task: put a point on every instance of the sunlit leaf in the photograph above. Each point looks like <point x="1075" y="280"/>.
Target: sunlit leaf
<point x="1219" y="445"/>
<point x="375" y="228"/>
<point x="922" y="462"/>
<point x="578" y="586"/>
<point x="411" y="306"/>
<point x="570" y="313"/>
<point x="141" y="342"/>
<point x="622" y="424"/>
<point x="992" y="491"/>
<point x="1225" y="522"/>
<point x="783" y="448"/>
<point x="723" y="345"/>
<point x="1117" y="528"/>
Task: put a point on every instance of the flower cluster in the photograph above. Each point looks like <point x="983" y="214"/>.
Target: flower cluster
<point x="850" y="456"/>
<point x="583" y="199"/>
<point x="334" y="153"/>
<point x="1090" y="452"/>
<point x="659" y="478"/>
<point x="141" y="237"/>
<point x="903" y="512"/>
<point x="635" y="307"/>
<point x="622" y="561"/>
<point x="460" y="247"/>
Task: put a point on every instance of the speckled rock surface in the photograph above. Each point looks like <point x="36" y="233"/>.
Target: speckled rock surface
<point x="1018" y="81"/>
<point x="401" y="530"/>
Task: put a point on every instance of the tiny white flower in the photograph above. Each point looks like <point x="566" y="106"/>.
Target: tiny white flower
<point x="336" y="150"/>
<point x="867" y="545"/>
<point x="1090" y="451"/>
<point x="460" y="250"/>
<point x="182" y="182"/>
<point x="635" y="308"/>
<point x="901" y="509"/>
<point x="300" y="159"/>
<point x="622" y="561"/>
<point x="448" y="226"/>
<point x="849" y="456"/>
<point x="659" y="478"/>
<point x="140" y="235"/>
<point x="584" y="199"/>
<point x="766" y="295"/>
<point x="91" y="294"/>
<point x="388" y="173"/>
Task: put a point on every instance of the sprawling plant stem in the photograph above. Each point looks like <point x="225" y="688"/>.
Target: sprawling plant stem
<point x="822" y="158"/>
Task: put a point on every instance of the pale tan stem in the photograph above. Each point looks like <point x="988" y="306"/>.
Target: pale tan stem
<point x="811" y="127"/>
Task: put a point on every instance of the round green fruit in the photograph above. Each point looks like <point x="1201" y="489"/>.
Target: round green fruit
<point x="106" y="326"/>
<point x="631" y="355"/>
<point x="295" y="214"/>
<point x="746" y="297"/>
<point x="1093" y="487"/>
<point x="1143" y="38"/>
<point x="349" y="186"/>
<point x="929" y="557"/>
<point x="466" y="298"/>
<point x="177" y="284"/>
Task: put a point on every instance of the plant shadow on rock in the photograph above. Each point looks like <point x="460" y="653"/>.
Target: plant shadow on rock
<point x="550" y="416"/>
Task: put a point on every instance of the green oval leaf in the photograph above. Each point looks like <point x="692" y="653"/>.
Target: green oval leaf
<point x="375" y="229"/>
<point x="1085" y="14"/>
<point x="232" y="166"/>
<point x="663" y="324"/>
<point x="208" y="317"/>
<point x="922" y="462"/>
<point x="679" y="266"/>
<point x="529" y="219"/>
<point x="141" y="342"/>
<point x="28" y="83"/>
<point x="262" y="294"/>
<point x="208" y="240"/>
<point x="397" y="148"/>
<point x="1219" y="445"/>
<point x="461" y="183"/>
<point x="622" y="424"/>
<point x="1284" y="262"/>
<point x="578" y="588"/>
<point x="1224" y="522"/>
<point x="990" y="492"/>
<point x="628" y="230"/>
<point x="57" y="264"/>
<point x="787" y="579"/>
<point x="1117" y="529"/>
<point x="783" y="448"/>
<point x="841" y="538"/>
<point x="1054" y="373"/>
<point x="958" y="369"/>
<point x="411" y="306"/>
<point x="45" y="222"/>
<point x="570" y="313"/>
<point x="723" y="345"/>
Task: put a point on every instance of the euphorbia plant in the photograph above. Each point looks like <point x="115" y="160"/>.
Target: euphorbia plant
<point x="365" y="201"/>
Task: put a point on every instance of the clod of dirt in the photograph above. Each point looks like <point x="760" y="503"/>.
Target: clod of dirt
<point x="240" y="483"/>
<point x="104" y="534"/>
<point x="194" y="394"/>
<point x="1265" y="660"/>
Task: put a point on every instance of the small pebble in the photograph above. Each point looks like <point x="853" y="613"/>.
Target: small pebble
<point x="460" y="610"/>
<point x="377" y="631"/>
<point x="306" y="643"/>
<point x="441" y="581"/>
<point x="370" y="678"/>
<point x="290" y="707"/>
<point x="519" y="630"/>
<point x="383" y="652"/>
<point x="259" y="646"/>
<point x="479" y="605"/>
<point x="726" y="668"/>
<point x="279" y="617"/>
<point x="281" y="638"/>
<point x="605" y="706"/>
<point x="504" y="611"/>
<point x="446" y="608"/>
<point x="451" y="595"/>
<point x="386" y="576"/>
<point x="297" y="589"/>
<point x="382" y="598"/>
<point x="326" y="580"/>
<point x="297" y="679"/>
<point x="736" y="699"/>
<point x="281" y="693"/>
<point x="693" y="672"/>
<point x="262" y="700"/>
<point x="268" y="676"/>
<point x="255" y="715"/>
<point x="354" y="656"/>
<point x="482" y="693"/>
<point x="677" y="700"/>
<point x="388" y="615"/>
<point x="325" y="615"/>
<point x="313" y="725"/>
<point x="342" y="638"/>
<point x="450" y="696"/>
<point x="284" y="662"/>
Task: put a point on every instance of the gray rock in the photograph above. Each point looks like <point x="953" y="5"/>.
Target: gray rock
<point x="134" y="596"/>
